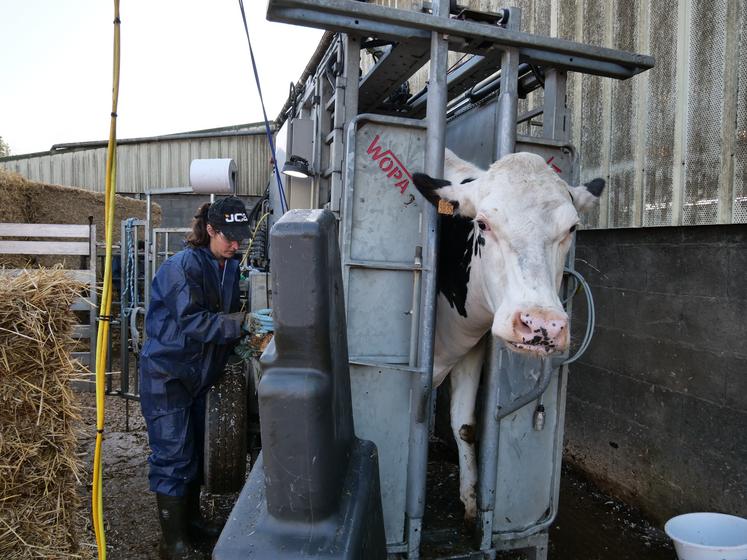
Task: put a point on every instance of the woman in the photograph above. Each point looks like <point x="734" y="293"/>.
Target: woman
<point x="192" y="323"/>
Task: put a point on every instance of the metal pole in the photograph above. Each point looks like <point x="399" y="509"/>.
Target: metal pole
<point x="422" y="389"/>
<point x="124" y="358"/>
<point x="147" y="252"/>
<point x="488" y="463"/>
<point x="508" y="99"/>
<point x="346" y="109"/>
<point x="554" y="123"/>
<point x="505" y="144"/>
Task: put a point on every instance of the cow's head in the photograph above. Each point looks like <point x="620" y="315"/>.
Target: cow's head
<point x="524" y="216"/>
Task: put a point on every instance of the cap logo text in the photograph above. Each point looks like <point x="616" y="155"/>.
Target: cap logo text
<point x="237" y="217"/>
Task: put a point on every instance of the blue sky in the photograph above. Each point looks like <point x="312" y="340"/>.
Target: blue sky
<point x="184" y="66"/>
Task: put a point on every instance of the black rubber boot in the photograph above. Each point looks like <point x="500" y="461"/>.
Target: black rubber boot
<point x="172" y="515"/>
<point x="200" y="529"/>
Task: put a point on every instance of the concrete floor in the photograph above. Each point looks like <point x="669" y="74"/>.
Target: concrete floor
<point x="590" y="524"/>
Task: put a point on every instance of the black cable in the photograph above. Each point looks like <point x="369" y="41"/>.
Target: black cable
<point x="283" y="201"/>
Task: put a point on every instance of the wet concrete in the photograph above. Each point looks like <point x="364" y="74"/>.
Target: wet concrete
<point x="590" y="524"/>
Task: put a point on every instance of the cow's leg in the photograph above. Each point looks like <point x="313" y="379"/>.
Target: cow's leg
<point x="465" y="378"/>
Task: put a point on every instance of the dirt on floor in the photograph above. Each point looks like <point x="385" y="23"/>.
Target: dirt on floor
<point x="590" y="525"/>
<point x="130" y="518"/>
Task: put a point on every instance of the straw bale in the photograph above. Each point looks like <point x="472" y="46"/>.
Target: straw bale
<point x="39" y="469"/>
<point x="29" y="202"/>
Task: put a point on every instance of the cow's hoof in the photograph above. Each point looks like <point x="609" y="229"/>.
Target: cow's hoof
<point x="470" y="523"/>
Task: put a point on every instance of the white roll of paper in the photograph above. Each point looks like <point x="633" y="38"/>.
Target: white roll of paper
<point x="213" y="176"/>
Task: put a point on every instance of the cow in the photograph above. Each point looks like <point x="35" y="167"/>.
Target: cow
<point x="500" y="266"/>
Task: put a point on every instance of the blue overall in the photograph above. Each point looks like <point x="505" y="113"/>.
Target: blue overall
<point x="191" y="326"/>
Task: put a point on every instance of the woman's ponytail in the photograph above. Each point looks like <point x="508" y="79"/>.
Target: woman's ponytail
<point x="199" y="237"/>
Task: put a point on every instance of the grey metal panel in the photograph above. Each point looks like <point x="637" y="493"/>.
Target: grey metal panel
<point x="383" y="207"/>
<point x="705" y="106"/>
<point x="527" y="466"/>
<point x="625" y="122"/>
<point x="380" y="327"/>
<point x="662" y="107"/>
<point x="379" y="297"/>
<point x="383" y="424"/>
<point x="739" y="207"/>
<point x="471" y="135"/>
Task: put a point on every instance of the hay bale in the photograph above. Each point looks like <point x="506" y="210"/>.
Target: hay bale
<point x="28" y="202"/>
<point x="38" y="463"/>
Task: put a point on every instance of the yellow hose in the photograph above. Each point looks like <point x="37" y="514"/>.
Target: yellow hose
<point x="97" y="504"/>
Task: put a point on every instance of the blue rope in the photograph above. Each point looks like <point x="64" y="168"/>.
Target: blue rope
<point x="283" y="200"/>
<point x="263" y="319"/>
<point x="129" y="287"/>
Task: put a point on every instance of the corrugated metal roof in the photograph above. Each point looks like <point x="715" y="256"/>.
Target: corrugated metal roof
<point x="154" y="162"/>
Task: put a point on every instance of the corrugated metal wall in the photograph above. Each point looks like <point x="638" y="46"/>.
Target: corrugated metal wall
<point x="151" y="164"/>
<point x="671" y="142"/>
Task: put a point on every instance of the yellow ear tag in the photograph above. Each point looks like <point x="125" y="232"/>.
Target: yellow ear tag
<point x="445" y="207"/>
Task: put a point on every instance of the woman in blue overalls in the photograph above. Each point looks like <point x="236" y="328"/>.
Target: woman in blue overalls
<point x="192" y="323"/>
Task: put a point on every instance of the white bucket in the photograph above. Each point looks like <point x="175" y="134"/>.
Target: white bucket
<point x="708" y="536"/>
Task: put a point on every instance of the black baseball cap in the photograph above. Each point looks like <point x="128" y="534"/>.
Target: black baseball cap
<point x="228" y="215"/>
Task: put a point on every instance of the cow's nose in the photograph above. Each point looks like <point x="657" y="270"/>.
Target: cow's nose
<point x="541" y="327"/>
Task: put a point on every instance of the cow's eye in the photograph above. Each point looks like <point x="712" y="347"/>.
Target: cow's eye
<point x="483" y="225"/>
<point x="573" y="228"/>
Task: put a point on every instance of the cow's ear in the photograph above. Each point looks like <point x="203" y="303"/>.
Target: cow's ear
<point x="585" y="196"/>
<point x="429" y="187"/>
<point x="435" y="190"/>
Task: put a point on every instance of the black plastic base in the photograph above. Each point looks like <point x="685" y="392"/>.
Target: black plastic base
<point x="355" y="531"/>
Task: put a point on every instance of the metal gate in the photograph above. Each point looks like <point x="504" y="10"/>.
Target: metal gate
<point x="389" y="239"/>
<point x="383" y="234"/>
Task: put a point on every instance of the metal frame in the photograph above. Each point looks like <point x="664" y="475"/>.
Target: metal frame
<point x="420" y="362"/>
<point x="127" y="304"/>
<point x="362" y="19"/>
<point x="418" y="35"/>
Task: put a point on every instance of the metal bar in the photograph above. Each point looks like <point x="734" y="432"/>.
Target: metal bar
<point x="170" y="190"/>
<point x="148" y="239"/>
<point x="529" y="115"/>
<point x="380" y="265"/>
<point x="395" y="67"/>
<point x="171" y="230"/>
<point x="124" y="332"/>
<point x="507" y="108"/>
<point x="463" y="78"/>
<point x="508" y="99"/>
<point x="351" y="46"/>
<point x="338" y="122"/>
<point x="422" y="388"/>
<point x="554" y="120"/>
<point x="415" y="310"/>
<point x="364" y="18"/>
<point x="488" y="459"/>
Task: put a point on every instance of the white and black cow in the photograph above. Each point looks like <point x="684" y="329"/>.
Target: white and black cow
<point x="500" y="266"/>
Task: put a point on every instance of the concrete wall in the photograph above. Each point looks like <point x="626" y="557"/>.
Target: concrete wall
<point x="657" y="407"/>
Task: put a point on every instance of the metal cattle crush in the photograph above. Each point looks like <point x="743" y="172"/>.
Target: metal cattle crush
<point x="364" y="136"/>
